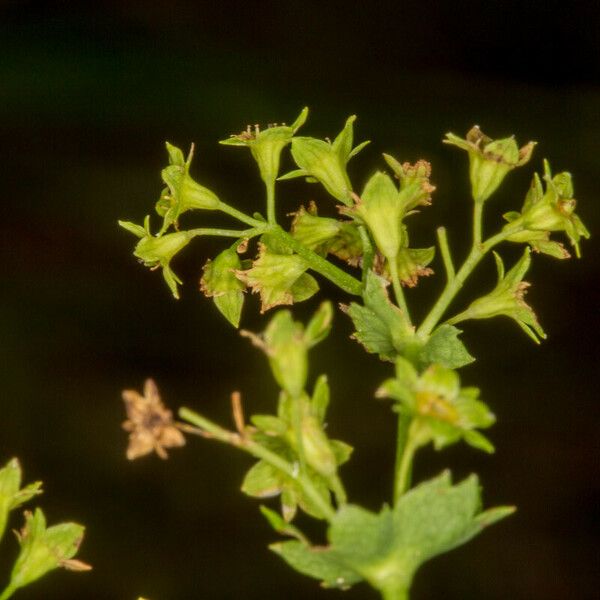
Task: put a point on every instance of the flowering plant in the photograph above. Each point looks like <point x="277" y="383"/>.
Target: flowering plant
<point x="365" y="251"/>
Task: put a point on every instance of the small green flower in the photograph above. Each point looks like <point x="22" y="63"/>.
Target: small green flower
<point x="442" y="411"/>
<point x="11" y="494"/>
<point x="157" y="251"/>
<point x="507" y="299"/>
<point x="220" y="283"/>
<point x="286" y="343"/>
<point x="266" y="145"/>
<point x="325" y="162"/>
<point x="182" y="192"/>
<point x="552" y="210"/>
<point x="278" y="278"/>
<point x="489" y="160"/>
<point x="44" y="549"/>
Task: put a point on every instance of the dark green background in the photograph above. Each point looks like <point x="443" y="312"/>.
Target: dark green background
<point x="89" y="92"/>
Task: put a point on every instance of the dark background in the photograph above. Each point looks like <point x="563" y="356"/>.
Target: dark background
<point x="89" y="92"/>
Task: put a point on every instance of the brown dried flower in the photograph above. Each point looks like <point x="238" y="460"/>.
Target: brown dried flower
<point x="150" y="423"/>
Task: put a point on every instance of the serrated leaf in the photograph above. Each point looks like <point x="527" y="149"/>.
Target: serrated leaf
<point x="379" y="324"/>
<point x="444" y="348"/>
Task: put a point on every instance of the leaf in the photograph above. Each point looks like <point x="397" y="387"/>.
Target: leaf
<point x="316" y="562"/>
<point x="379" y="325"/>
<point x="319" y="326"/>
<point x="320" y="398"/>
<point x="444" y="348"/>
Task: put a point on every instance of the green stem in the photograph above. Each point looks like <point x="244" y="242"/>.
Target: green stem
<point x="258" y="451"/>
<point x="478" y="251"/>
<point x="400" y="299"/>
<point x="394" y="593"/>
<point x="271" y="218"/>
<point x="405" y="451"/>
<point x="446" y="254"/>
<point x="239" y="215"/>
<point x="368" y="253"/>
<point x="8" y="592"/>
<point x="477" y="225"/>
<point x="317" y="263"/>
<point x="235" y="233"/>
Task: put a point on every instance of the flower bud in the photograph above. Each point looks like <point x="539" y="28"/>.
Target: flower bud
<point x="507" y="299"/>
<point x="220" y="283"/>
<point x="157" y="251"/>
<point x="325" y="162"/>
<point x="11" y="493"/>
<point x="316" y="447"/>
<point x="489" y="160"/>
<point x="182" y="192"/>
<point x="45" y="549"/>
<point x="266" y="145"/>
<point x="554" y="209"/>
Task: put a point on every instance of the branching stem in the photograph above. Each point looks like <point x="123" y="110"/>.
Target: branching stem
<point x="251" y="447"/>
<point x="446" y="254"/>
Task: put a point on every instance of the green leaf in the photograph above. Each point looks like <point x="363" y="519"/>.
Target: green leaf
<point x="316" y="562"/>
<point x="444" y="348"/>
<point x="379" y="324"/>
<point x="269" y="424"/>
<point x="387" y="548"/>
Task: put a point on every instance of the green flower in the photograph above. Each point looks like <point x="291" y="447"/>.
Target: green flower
<point x="507" y="299"/>
<point x="11" y="493"/>
<point x="266" y="145"/>
<point x="278" y="278"/>
<point x="552" y="210"/>
<point x="325" y="162"/>
<point x="44" y="549"/>
<point x="157" y="251"/>
<point x="442" y="411"/>
<point x="182" y="192"/>
<point x="489" y="160"/>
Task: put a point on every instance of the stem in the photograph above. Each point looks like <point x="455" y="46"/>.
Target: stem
<point x="258" y="451"/>
<point x="478" y="251"/>
<point x="400" y="300"/>
<point x="271" y="203"/>
<point x="477" y="217"/>
<point x="405" y="450"/>
<point x="239" y="215"/>
<point x="236" y="233"/>
<point x="368" y="253"/>
<point x="446" y="255"/>
<point x="8" y="592"/>
<point x="317" y="263"/>
<point x="394" y="593"/>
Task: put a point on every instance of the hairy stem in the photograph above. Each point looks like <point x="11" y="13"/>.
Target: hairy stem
<point x="247" y="445"/>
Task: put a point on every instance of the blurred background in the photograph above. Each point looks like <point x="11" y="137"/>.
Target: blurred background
<point x="90" y="91"/>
